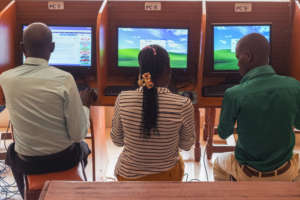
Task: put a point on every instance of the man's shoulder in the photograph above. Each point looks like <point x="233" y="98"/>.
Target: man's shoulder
<point x="288" y="80"/>
<point x="58" y="71"/>
<point x="10" y="73"/>
<point x="234" y="90"/>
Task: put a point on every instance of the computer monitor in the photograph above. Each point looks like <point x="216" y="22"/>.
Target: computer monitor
<point x="131" y="40"/>
<point x="225" y="38"/>
<point x="73" y="46"/>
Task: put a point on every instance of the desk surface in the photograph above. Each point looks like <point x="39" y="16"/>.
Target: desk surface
<point x="59" y="190"/>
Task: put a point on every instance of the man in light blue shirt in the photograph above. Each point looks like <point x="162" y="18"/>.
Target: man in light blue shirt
<point x="46" y="111"/>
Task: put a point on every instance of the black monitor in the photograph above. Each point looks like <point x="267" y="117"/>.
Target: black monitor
<point x="132" y="39"/>
<point x="73" y="47"/>
<point x="225" y="38"/>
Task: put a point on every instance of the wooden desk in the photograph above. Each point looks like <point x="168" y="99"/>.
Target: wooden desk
<point x="59" y="190"/>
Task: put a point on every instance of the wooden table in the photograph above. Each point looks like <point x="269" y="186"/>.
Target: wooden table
<point x="60" y="190"/>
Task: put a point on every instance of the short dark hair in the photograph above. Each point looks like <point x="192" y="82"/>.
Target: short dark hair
<point x="257" y="44"/>
<point x="36" y="37"/>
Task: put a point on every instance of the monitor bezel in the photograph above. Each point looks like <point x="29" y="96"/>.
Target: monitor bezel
<point x="151" y="27"/>
<point x="233" y="72"/>
<point x="69" y="68"/>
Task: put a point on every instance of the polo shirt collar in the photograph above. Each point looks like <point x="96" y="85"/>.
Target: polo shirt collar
<point x="258" y="71"/>
<point x="36" y="61"/>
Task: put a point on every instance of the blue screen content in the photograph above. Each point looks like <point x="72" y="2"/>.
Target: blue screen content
<point x="73" y="46"/>
<point x="225" y="41"/>
<point x="132" y="40"/>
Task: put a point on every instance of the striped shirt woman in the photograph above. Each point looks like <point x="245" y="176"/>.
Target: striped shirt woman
<point x="151" y="123"/>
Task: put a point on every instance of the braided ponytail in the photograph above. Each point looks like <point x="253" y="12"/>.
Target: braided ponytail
<point x="152" y="60"/>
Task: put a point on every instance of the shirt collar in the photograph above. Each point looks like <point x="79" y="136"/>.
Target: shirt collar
<point x="35" y="61"/>
<point x="160" y="90"/>
<point x="258" y="71"/>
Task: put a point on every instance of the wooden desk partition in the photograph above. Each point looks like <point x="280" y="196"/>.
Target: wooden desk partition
<point x="133" y="14"/>
<point x="197" y="152"/>
<point x="102" y="55"/>
<point x="276" y="13"/>
<point x="4" y="3"/>
<point x="7" y="38"/>
<point x="56" y="190"/>
<point x="295" y="43"/>
<point x="8" y="35"/>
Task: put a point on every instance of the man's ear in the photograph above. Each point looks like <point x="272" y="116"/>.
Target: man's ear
<point x="250" y="57"/>
<point x="52" y="47"/>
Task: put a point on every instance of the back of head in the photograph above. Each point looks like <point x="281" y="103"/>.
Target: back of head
<point x="37" y="41"/>
<point x="257" y="48"/>
<point x="154" y="64"/>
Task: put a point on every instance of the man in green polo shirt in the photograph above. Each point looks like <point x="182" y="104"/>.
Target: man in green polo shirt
<point x="266" y="108"/>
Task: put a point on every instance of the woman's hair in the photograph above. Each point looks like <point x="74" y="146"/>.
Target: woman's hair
<point x="153" y="59"/>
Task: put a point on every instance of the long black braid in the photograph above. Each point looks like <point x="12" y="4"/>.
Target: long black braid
<point x="152" y="59"/>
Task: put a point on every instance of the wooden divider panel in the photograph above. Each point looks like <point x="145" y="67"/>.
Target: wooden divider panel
<point x="7" y="39"/>
<point x="102" y="35"/>
<point x="75" y="13"/>
<point x="295" y="44"/>
<point x="276" y="13"/>
<point x="4" y="3"/>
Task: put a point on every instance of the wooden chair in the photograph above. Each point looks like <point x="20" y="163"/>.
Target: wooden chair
<point x="209" y="132"/>
<point x="34" y="183"/>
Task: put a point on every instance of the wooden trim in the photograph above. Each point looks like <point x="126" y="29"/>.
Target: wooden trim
<point x="8" y="35"/>
<point x="44" y="190"/>
<point x="101" y="39"/>
<point x="97" y="114"/>
<point x="203" y="32"/>
<point x="295" y="44"/>
<point x="4" y="3"/>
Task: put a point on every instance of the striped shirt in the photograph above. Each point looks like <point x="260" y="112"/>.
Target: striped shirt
<point x="143" y="156"/>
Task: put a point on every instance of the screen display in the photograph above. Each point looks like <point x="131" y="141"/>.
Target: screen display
<point x="73" y="46"/>
<point x="132" y="40"/>
<point x="225" y="41"/>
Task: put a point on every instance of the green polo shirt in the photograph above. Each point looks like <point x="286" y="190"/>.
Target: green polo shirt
<point x="266" y="107"/>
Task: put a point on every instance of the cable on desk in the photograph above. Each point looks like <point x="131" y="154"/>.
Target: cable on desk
<point x="7" y="190"/>
<point x="205" y="164"/>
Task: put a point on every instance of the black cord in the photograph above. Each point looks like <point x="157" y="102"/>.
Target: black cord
<point x="7" y="190"/>
<point x="205" y="164"/>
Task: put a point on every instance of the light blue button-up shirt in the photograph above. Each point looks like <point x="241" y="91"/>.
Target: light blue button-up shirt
<point x="44" y="107"/>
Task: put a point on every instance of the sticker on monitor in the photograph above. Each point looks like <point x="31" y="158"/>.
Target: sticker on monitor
<point x="73" y="46"/>
<point x="226" y="38"/>
<point x="132" y="40"/>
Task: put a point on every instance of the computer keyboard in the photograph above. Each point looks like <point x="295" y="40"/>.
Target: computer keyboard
<point x="216" y="90"/>
<point x="82" y="86"/>
<point x="115" y="90"/>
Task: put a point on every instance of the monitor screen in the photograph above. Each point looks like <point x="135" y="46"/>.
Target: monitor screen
<point x="225" y="38"/>
<point x="73" y="46"/>
<point x="132" y="40"/>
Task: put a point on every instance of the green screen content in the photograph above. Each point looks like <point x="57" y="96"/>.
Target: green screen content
<point x="225" y="41"/>
<point x="132" y="40"/>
